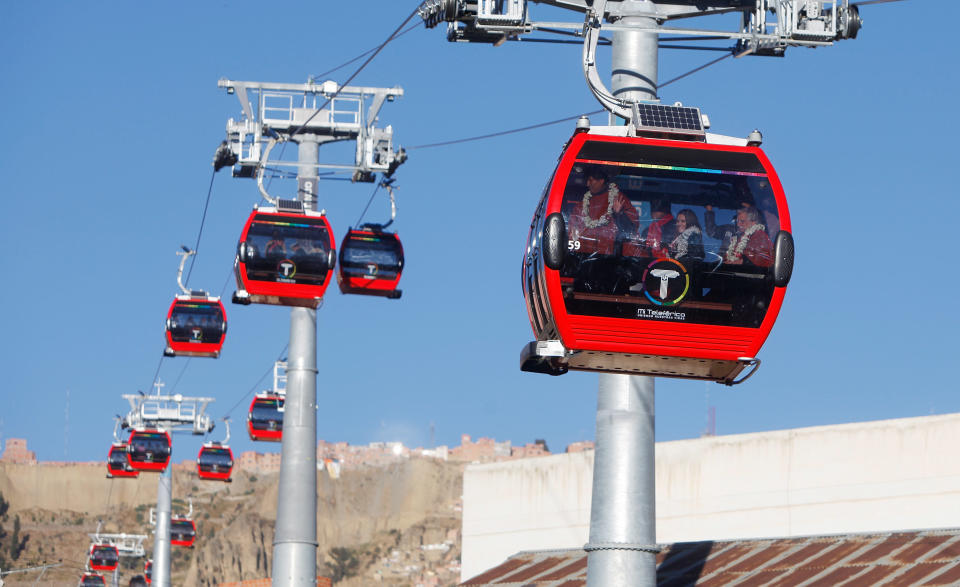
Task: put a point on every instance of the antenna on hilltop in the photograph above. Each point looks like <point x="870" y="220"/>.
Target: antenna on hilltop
<point x="66" y="427"/>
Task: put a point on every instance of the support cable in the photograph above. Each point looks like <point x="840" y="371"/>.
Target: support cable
<point x="376" y="51"/>
<point x="180" y="376"/>
<point x="203" y="219"/>
<point x="257" y="384"/>
<point x="156" y="373"/>
<point x="365" y="53"/>
<point x="370" y="201"/>
<point x="559" y="120"/>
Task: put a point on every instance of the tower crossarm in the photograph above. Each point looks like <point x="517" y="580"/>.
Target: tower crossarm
<point x="126" y="544"/>
<point x="766" y="27"/>
<point x="169" y="412"/>
<point x="327" y="110"/>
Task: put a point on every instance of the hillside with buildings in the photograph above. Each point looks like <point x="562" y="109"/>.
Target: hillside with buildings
<point x="390" y="514"/>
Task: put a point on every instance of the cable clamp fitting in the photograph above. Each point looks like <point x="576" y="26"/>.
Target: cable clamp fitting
<point x="593" y="546"/>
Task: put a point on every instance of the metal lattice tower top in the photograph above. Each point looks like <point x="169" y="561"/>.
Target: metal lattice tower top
<point x="767" y="27"/>
<point x="126" y="544"/>
<point x="169" y="412"/>
<point x="325" y="110"/>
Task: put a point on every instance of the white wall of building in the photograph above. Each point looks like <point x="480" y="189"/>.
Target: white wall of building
<point x="876" y="476"/>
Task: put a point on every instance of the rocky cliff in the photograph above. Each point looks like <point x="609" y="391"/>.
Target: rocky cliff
<point x="393" y="525"/>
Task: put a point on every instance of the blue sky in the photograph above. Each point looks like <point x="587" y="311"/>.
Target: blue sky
<point x="112" y="114"/>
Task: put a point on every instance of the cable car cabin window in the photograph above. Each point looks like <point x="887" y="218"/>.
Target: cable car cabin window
<point x="149" y="447"/>
<point x="92" y="580"/>
<point x="215" y="458"/>
<point x="361" y="251"/>
<point x="265" y="414"/>
<point x="288" y="250"/>
<point x="182" y="532"/>
<point x="669" y="234"/>
<point x="117" y="463"/>
<point x="196" y="322"/>
<point x="104" y="557"/>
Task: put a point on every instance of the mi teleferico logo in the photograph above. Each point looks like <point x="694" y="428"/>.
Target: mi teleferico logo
<point x="286" y="269"/>
<point x="665" y="282"/>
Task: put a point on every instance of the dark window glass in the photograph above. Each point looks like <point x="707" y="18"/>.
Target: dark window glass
<point x="196" y="322"/>
<point x="657" y="240"/>
<point x="215" y="457"/>
<point x="371" y="255"/>
<point x="104" y="556"/>
<point x="118" y="458"/>
<point x="92" y="581"/>
<point x="182" y="530"/>
<point x="266" y="414"/>
<point x="154" y="443"/>
<point x="288" y="250"/>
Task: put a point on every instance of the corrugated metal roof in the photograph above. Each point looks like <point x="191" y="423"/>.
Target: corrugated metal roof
<point x="926" y="557"/>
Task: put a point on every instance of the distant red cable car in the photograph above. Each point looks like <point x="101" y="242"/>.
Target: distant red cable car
<point x="183" y="532"/>
<point x="149" y="449"/>
<point x="265" y="419"/>
<point x="371" y="261"/>
<point x="196" y="326"/>
<point x="104" y="557"/>
<point x="92" y="580"/>
<point x="215" y="461"/>
<point x="148" y="570"/>
<point x="653" y="256"/>
<point x="286" y="256"/>
<point x="117" y="463"/>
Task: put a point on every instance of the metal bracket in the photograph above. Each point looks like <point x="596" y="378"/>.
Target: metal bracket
<point x="591" y="33"/>
<point x="544" y="356"/>
<point x="747" y="362"/>
<point x="594" y="546"/>
<point x="183" y="254"/>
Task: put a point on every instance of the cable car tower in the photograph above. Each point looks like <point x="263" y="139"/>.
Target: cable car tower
<point x="622" y="544"/>
<point x="309" y="115"/>
<point x="166" y="413"/>
<point x="124" y="545"/>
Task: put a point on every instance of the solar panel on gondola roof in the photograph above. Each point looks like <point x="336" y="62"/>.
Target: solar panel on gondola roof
<point x="670" y="117"/>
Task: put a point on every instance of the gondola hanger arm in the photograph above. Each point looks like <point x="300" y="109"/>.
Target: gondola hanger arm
<point x="591" y="33"/>
<point x="262" y="167"/>
<point x="184" y="254"/>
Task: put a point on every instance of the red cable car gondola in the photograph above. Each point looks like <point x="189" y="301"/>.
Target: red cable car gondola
<point x="148" y="570"/>
<point x="371" y="261"/>
<point x="265" y="418"/>
<point x="285" y="256"/>
<point x="183" y="532"/>
<point x="647" y="279"/>
<point x="92" y="580"/>
<point x="215" y="461"/>
<point x="149" y="449"/>
<point x="117" y="463"/>
<point x="104" y="557"/>
<point x="196" y="326"/>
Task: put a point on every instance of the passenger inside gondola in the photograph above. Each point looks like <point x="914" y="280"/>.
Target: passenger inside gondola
<point x="275" y="246"/>
<point x="688" y="244"/>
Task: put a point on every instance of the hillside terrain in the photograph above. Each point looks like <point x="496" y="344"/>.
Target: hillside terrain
<point x="392" y="525"/>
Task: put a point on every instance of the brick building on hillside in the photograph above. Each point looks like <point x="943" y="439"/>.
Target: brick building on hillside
<point x="16" y="452"/>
